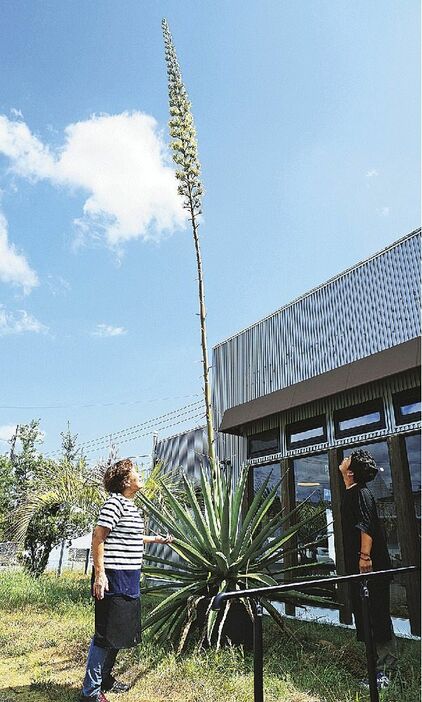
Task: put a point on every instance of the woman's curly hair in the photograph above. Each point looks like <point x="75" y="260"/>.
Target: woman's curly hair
<point x="363" y="466"/>
<point x="116" y="476"/>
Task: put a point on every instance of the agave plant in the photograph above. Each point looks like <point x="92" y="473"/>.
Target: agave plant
<point x="220" y="549"/>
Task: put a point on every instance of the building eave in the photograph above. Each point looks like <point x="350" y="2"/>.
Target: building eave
<point x="397" y="359"/>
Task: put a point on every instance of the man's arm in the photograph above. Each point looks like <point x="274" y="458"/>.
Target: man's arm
<point x="365" y="561"/>
<point x="99" y="535"/>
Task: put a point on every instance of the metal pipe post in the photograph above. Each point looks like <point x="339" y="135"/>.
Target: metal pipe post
<point x="258" y="680"/>
<point x="369" y="642"/>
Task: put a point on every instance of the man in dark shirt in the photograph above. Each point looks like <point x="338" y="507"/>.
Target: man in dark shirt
<point x="365" y="549"/>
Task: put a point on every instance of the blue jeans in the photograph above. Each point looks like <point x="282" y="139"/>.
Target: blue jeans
<point x="98" y="669"/>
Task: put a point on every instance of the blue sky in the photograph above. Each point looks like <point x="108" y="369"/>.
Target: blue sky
<point x="308" y="123"/>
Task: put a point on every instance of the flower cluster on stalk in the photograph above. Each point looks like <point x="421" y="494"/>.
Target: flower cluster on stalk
<point x="182" y="130"/>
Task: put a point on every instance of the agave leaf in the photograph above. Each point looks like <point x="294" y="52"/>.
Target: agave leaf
<point x="181" y="565"/>
<point x="178" y="595"/>
<point x="202" y="525"/>
<point x="239" y="492"/>
<point x="276" y="545"/>
<point x="209" y="505"/>
<point x="250" y="514"/>
<point x="191" y="616"/>
<point x="182" y="515"/>
<point x="162" y="517"/>
<point x="213" y="613"/>
<point x="167" y="574"/>
<point x="222" y="622"/>
<point x="189" y="552"/>
<point x="258" y="577"/>
<point x="273" y="612"/>
<point x="225" y="528"/>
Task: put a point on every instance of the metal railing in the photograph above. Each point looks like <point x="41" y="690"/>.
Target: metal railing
<point x="254" y="594"/>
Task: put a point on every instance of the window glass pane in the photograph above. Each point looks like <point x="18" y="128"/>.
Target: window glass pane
<point x="263" y="444"/>
<point x="306" y="432"/>
<point x="318" y="432"/>
<point x="382" y="489"/>
<point x="411" y="408"/>
<point x="361" y="421"/>
<point x="413" y="449"/>
<point x="259" y="474"/>
<point x="312" y="481"/>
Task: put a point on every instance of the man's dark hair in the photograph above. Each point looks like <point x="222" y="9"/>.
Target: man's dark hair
<point x="116" y="475"/>
<point x="363" y="466"/>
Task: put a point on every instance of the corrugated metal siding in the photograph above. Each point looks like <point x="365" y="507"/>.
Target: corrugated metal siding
<point x="367" y="309"/>
<point x="187" y="450"/>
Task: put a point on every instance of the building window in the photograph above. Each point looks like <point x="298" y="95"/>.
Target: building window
<point x="407" y="406"/>
<point x="264" y="444"/>
<point x="312" y="483"/>
<point x="257" y="475"/>
<point x="307" y="432"/>
<point x="413" y="450"/>
<point x="359" y="419"/>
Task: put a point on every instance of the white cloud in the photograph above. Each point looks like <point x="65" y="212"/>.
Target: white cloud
<point x="372" y="173"/>
<point x="29" y="157"/>
<point x="108" y="330"/>
<point x="119" y="160"/>
<point x="7" y="431"/>
<point x="19" y="322"/>
<point x="14" y="267"/>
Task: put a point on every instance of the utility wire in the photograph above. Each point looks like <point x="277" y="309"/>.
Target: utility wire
<point x="140" y="436"/>
<point x="151" y="424"/>
<point x="95" y="404"/>
<point x="149" y="428"/>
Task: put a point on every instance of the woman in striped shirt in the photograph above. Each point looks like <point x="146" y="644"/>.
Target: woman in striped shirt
<point x="117" y="549"/>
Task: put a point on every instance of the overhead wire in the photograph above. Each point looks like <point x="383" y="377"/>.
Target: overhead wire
<point x="95" y="404"/>
<point x="170" y="419"/>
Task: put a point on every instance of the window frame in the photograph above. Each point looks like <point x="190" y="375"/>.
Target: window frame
<point x="412" y="395"/>
<point x="306" y="425"/>
<point x="259" y="454"/>
<point x="361" y="409"/>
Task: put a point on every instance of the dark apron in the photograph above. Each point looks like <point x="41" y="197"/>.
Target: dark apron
<point x="379" y="603"/>
<point x="117" y="621"/>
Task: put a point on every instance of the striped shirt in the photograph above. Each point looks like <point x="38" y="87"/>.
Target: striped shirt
<point x="124" y="546"/>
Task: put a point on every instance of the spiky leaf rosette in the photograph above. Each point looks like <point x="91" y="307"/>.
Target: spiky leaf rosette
<point x="218" y="551"/>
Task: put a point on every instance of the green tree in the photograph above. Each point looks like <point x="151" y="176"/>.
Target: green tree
<point x="185" y="155"/>
<point x="45" y="513"/>
<point x="7" y="490"/>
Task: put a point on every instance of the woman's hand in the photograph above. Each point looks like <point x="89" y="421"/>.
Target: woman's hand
<point x="365" y="565"/>
<point x="164" y="539"/>
<point x="100" y="585"/>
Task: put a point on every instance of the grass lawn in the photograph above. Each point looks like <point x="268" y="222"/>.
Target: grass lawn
<point x="46" y="626"/>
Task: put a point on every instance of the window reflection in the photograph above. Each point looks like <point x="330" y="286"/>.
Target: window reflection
<point x="413" y="450"/>
<point x="263" y="444"/>
<point x="361" y="421"/>
<point x="312" y="482"/>
<point x="259" y="474"/>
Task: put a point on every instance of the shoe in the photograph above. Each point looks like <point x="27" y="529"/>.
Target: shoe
<point x="113" y="685"/>
<point x="101" y="698"/>
<point x="383" y="681"/>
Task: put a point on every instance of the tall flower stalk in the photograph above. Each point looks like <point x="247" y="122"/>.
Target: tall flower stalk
<point x="185" y="155"/>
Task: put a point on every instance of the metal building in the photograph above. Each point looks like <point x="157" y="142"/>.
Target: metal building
<point x="335" y="369"/>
